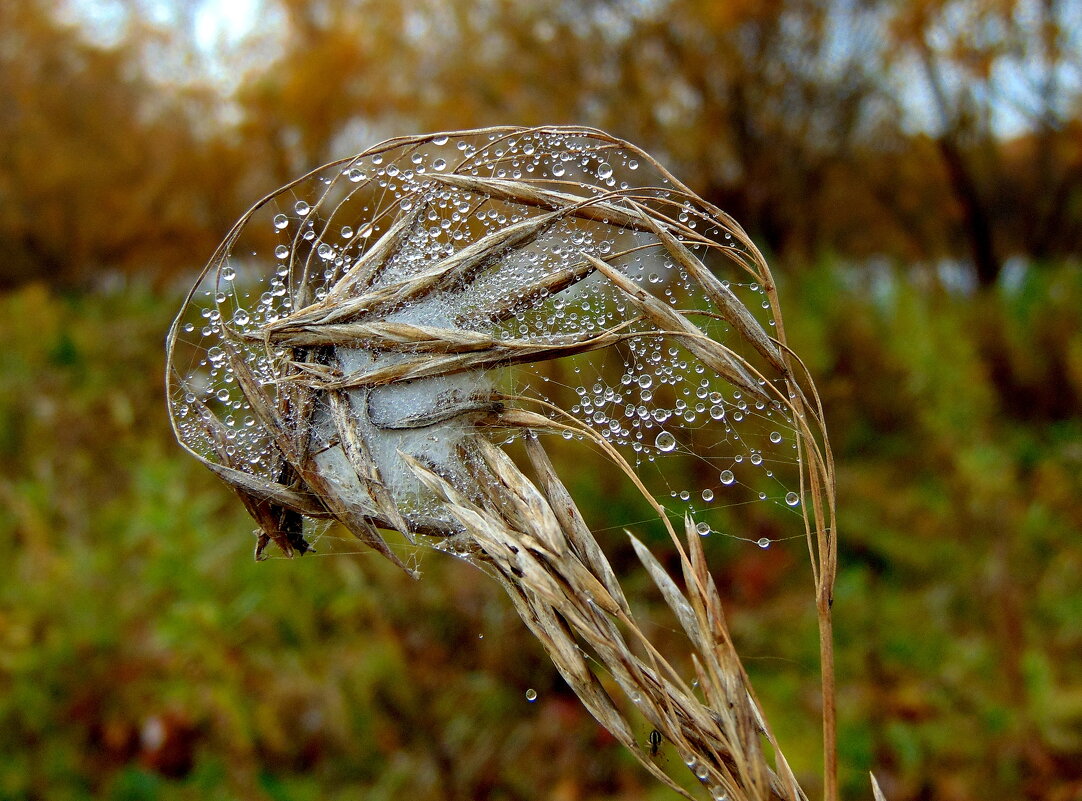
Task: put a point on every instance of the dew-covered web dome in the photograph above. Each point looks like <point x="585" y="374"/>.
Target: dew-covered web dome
<point x="380" y="341"/>
<point x="406" y="298"/>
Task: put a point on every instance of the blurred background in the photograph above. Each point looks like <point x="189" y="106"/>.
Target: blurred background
<point x="913" y="171"/>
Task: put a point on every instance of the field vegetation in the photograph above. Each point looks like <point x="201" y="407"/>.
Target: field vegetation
<point x="925" y="244"/>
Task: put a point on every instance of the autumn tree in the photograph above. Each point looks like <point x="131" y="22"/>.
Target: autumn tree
<point x="988" y="70"/>
<point x="102" y="168"/>
<point x="915" y="131"/>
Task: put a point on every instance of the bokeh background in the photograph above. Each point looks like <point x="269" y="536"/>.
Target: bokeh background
<point x="913" y="171"/>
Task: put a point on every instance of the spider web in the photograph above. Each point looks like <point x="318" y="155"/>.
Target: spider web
<point x="698" y="443"/>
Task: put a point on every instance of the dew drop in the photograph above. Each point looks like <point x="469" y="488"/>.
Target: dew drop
<point x="557" y="170"/>
<point x="727" y="477"/>
<point x="228" y="273"/>
<point x="708" y="495"/>
<point x="763" y="542"/>
<point x="756" y="458"/>
<point x="439" y="165"/>
<point x="531" y="695"/>
<point x="302" y="208"/>
<point x="792" y="499"/>
<point x="665" y="441"/>
<point x="281" y="252"/>
<point x="703" y="529"/>
<point x="775" y="437"/>
<point x="604" y="170"/>
<point x="280" y="221"/>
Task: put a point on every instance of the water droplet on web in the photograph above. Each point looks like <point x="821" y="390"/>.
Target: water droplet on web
<point x="280" y="221"/>
<point x="302" y="208"/>
<point x="708" y="495"/>
<point x="439" y="165"/>
<point x="228" y="274"/>
<point x="281" y="252"/>
<point x="531" y="695"/>
<point x="792" y="499"/>
<point x="604" y="170"/>
<point x="703" y="529"/>
<point x="727" y="477"/>
<point x="558" y="170"/>
<point x="775" y="437"/>
<point x="665" y="441"/>
<point x="763" y="542"/>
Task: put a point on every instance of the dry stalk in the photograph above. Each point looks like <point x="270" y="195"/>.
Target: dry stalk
<point x="354" y="377"/>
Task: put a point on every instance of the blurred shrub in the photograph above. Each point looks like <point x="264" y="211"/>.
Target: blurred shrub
<point x="145" y="655"/>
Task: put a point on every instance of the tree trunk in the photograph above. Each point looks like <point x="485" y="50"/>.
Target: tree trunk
<point x="977" y="227"/>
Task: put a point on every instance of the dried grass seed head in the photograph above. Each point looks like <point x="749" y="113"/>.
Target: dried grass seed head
<point x="368" y="336"/>
<point x="405" y="299"/>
